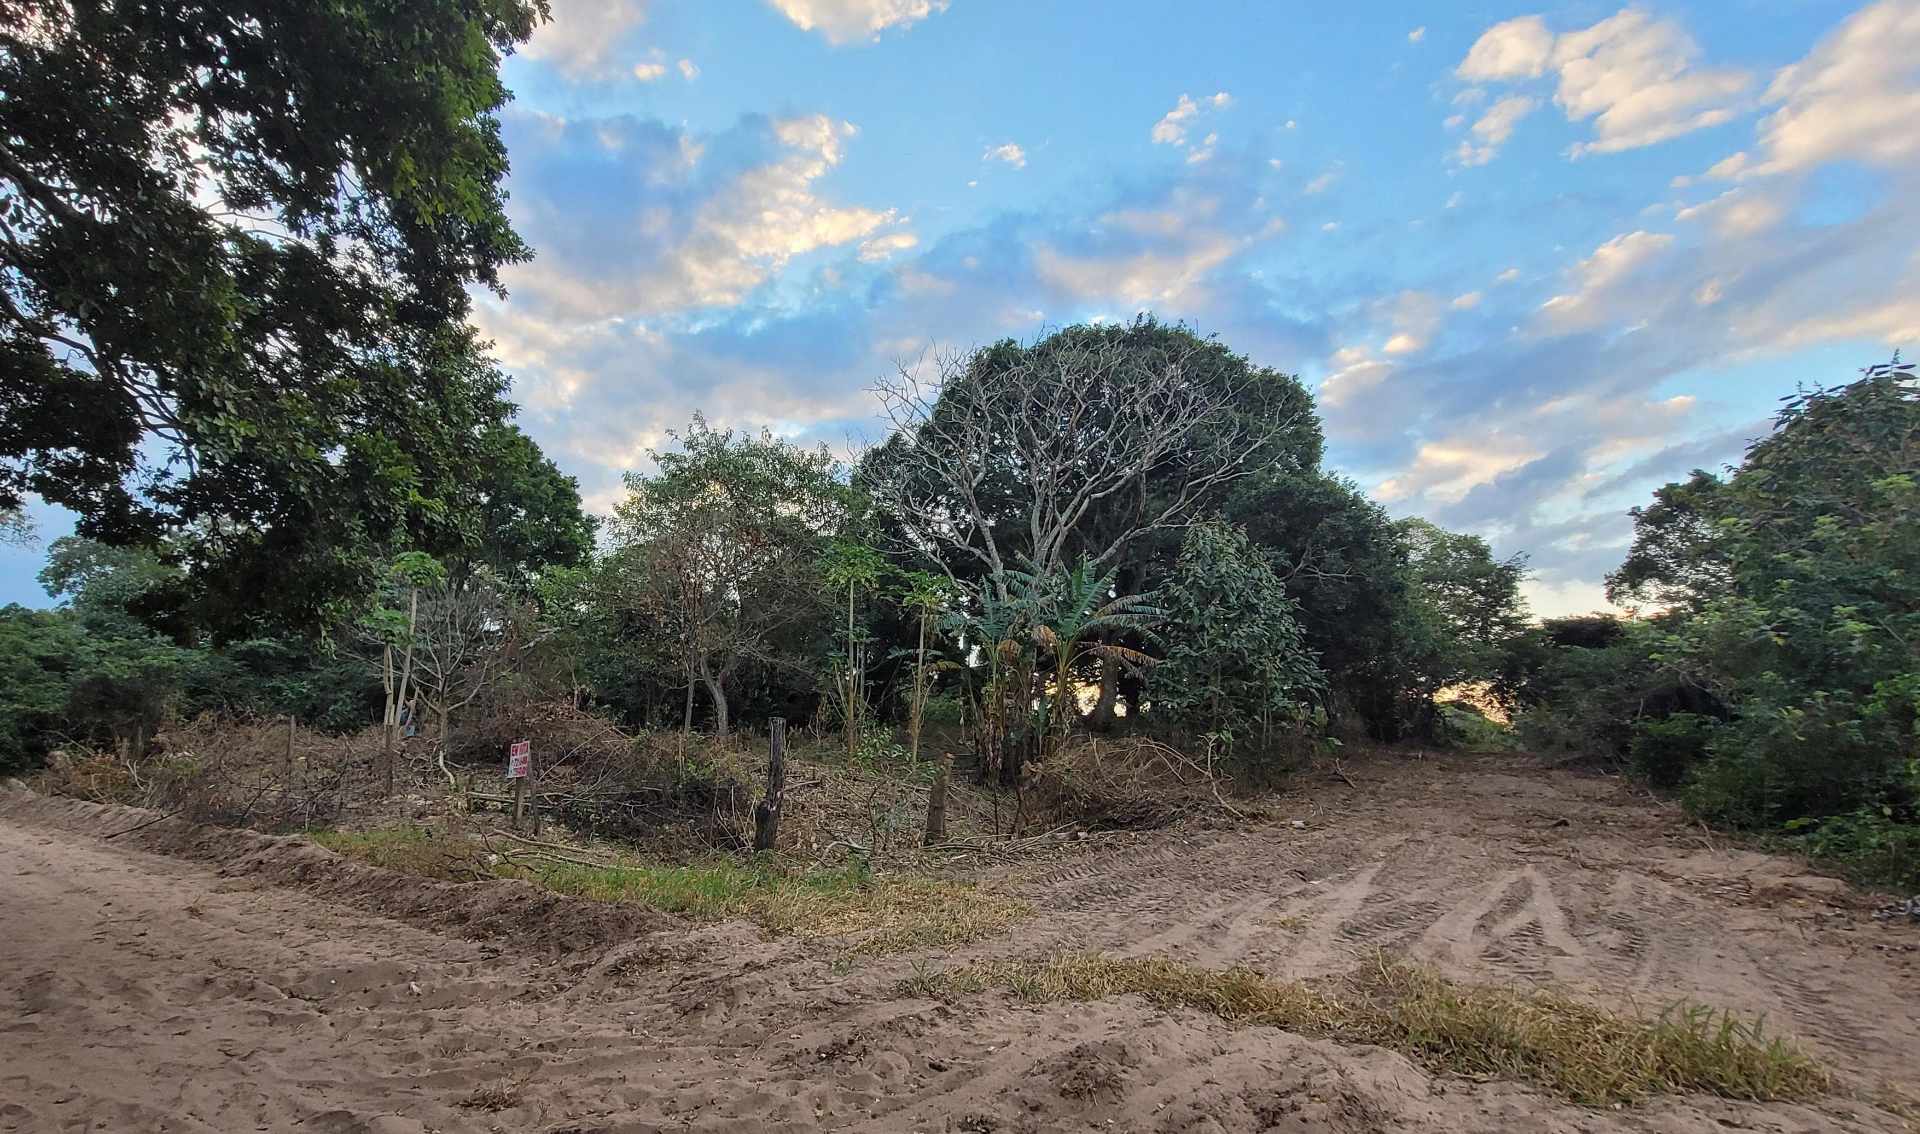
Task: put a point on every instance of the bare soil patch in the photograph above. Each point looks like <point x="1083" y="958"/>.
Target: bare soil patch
<point x="185" y="979"/>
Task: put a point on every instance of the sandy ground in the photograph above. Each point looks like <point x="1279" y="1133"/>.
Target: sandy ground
<point x="169" y="979"/>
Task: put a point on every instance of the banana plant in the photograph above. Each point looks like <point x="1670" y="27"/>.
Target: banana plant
<point x="1076" y="615"/>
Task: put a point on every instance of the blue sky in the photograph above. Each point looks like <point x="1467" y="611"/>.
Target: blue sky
<point x="1533" y="261"/>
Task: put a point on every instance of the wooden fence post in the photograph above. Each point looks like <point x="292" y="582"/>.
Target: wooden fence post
<point x="937" y="802"/>
<point x="766" y="817"/>
<point x="288" y="772"/>
<point x="519" y="801"/>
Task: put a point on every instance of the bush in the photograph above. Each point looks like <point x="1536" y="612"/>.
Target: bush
<point x="1871" y="844"/>
<point x="1468" y="727"/>
<point x="1664" y="750"/>
<point x="1776" y="764"/>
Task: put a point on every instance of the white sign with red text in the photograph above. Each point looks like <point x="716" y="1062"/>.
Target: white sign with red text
<point x="519" y="759"/>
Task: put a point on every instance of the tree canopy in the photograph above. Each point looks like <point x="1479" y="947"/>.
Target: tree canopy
<point x="235" y="242"/>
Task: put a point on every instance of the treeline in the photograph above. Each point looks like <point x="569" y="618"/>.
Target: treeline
<point x="1114" y="528"/>
<point x="1775" y="677"/>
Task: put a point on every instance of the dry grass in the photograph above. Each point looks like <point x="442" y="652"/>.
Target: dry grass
<point x="1575" y="1049"/>
<point x="882" y="913"/>
<point x="502" y="1094"/>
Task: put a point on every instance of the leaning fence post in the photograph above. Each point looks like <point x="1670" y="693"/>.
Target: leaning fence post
<point x="766" y="817"/>
<point x="937" y="801"/>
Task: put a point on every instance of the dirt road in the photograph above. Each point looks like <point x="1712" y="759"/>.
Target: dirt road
<point x="232" y="987"/>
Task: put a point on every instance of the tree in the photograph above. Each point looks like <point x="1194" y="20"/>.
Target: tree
<point x="1346" y="567"/>
<point x="17" y="529"/>
<point x="1237" y="663"/>
<point x="928" y="597"/>
<point x="1676" y="557"/>
<point x="527" y="513"/>
<point x="1072" y="612"/>
<point x="101" y="582"/>
<point x="1081" y="445"/>
<point x="851" y="566"/>
<point x="726" y="540"/>
<point x="235" y="243"/>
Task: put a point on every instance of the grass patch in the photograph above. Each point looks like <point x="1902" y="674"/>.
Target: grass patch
<point x="884" y="913"/>
<point x="1578" y="1050"/>
<point x="419" y="851"/>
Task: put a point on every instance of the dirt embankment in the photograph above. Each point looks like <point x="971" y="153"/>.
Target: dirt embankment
<point x="189" y="980"/>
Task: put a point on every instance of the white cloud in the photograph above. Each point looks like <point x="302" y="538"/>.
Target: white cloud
<point x="1172" y="128"/>
<point x="1007" y="152"/>
<point x="1855" y="95"/>
<point x="1635" y="77"/>
<point x="688" y="70"/>
<point x="654" y="252"/>
<point x="885" y="247"/>
<point x="1141" y="278"/>
<point x="1507" y="276"/>
<point x="1204" y="150"/>
<point x="1632" y="75"/>
<point x="1417" y="34"/>
<point x="1493" y="129"/>
<point x="1599" y="275"/>
<point x="1330" y="226"/>
<point x="1729" y="167"/>
<point x="1455" y="199"/>
<point x="1323" y="182"/>
<point x="1467" y="302"/>
<point x="848" y="21"/>
<point x="1737" y="212"/>
<point x="648" y="72"/>
<point x="1515" y="49"/>
<point x="1446" y="470"/>
<point x="584" y="36"/>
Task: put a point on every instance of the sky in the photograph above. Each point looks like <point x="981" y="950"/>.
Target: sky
<point x="1533" y="262"/>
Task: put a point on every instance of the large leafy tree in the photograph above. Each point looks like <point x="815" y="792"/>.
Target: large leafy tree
<point x="235" y="243"/>
<point x="1095" y="443"/>
<point x="724" y="544"/>
<point x="1814" y="640"/>
<point x="1346" y="566"/>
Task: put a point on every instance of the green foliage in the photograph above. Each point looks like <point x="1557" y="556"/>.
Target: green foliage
<point x="1466" y="727"/>
<point x="526" y="513"/>
<point x="1237" y="664"/>
<point x="1582" y="685"/>
<point x="718" y="553"/>
<point x="1781" y="688"/>
<point x="236" y="307"/>
<point x="1874" y="844"/>
<point x="1665" y="749"/>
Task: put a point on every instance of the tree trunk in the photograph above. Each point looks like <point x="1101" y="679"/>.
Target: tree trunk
<point x="766" y="817"/>
<point x="1103" y="716"/>
<point x="718" y="694"/>
<point x="406" y="674"/>
<point x="937" y="802"/>
<point x="686" y="713"/>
